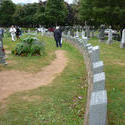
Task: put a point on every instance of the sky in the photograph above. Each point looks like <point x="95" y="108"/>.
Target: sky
<point x="32" y="1"/>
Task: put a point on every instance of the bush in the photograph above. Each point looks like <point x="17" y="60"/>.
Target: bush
<point x="29" y="46"/>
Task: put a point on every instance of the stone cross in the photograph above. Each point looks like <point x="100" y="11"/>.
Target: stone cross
<point x="109" y="41"/>
<point x="122" y="45"/>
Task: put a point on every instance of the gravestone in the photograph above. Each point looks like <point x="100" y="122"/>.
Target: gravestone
<point x="2" y="53"/>
<point x="83" y="34"/>
<point x="89" y="48"/>
<point x="98" y="81"/>
<point x="109" y="41"/>
<point x="98" y="108"/>
<point x="81" y="42"/>
<point x="95" y="57"/>
<point x="68" y="34"/>
<point x="87" y="45"/>
<point x="101" y="33"/>
<point x="122" y="45"/>
<point x="87" y="31"/>
<point x="77" y="33"/>
<point x="97" y="67"/>
<point x="85" y="42"/>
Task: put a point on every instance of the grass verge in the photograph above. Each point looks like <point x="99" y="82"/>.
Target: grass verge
<point x="28" y="64"/>
<point x="60" y="103"/>
<point x="114" y="67"/>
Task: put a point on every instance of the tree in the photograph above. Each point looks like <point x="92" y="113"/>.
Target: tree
<point x="103" y="12"/>
<point x="24" y="15"/>
<point x="7" y="10"/>
<point x="39" y="16"/>
<point x="56" y="12"/>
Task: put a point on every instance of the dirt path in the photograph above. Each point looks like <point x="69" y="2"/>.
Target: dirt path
<point x="16" y="81"/>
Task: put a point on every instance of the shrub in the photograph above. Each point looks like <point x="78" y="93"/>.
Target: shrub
<point x="29" y="46"/>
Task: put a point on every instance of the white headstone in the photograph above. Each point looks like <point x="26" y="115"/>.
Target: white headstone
<point x="122" y="45"/>
<point x="83" y="34"/>
<point x="68" y="33"/>
<point x="109" y="41"/>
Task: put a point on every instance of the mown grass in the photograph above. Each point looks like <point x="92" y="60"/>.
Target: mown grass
<point x="60" y="103"/>
<point x="29" y="64"/>
<point x="114" y="67"/>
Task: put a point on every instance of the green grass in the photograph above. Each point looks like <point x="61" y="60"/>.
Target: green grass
<point x="114" y="67"/>
<point x="29" y="64"/>
<point x="55" y="104"/>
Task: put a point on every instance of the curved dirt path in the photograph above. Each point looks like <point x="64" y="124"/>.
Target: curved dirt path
<point x="16" y="81"/>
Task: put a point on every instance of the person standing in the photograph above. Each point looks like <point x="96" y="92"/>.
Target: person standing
<point x="1" y="32"/>
<point x="13" y="33"/>
<point x="57" y="36"/>
<point x="18" y="32"/>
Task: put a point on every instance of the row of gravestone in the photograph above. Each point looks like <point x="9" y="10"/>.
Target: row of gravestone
<point x="96" y="107"/>
<point x="101" y="35"/>
<point x="89" y="34"/>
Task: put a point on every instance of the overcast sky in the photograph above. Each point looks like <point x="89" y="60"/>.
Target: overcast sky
<point x="32" y="1"/>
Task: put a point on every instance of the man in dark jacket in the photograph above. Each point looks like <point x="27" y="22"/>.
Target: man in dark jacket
<point x="1" y="32"/>
<point x="18" y="32"/>
<point x="57" y="36"/>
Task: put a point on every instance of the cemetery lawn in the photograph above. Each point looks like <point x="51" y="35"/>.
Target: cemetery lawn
<point x="60" y="103"/>
<point x="114" y="67"/>
<point x="28" y="64"/>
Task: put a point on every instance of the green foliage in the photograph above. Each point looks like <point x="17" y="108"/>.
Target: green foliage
<point x="103" y="12"/>
<point x="55" y="12"/>
<point x="29" y="46"/>
<point x="24" y="15"/>
<point x="7" y="10"/>
<point x="39" y="16"/>
<point x="46" y="13"/>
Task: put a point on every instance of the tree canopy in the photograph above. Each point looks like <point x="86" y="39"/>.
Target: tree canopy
<point x="49" y="13"/>
<point x="7" y="9"/>
<point x="55" y="12"/>
<point x="58" y="12"/>
<point x="103" y="12"/>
